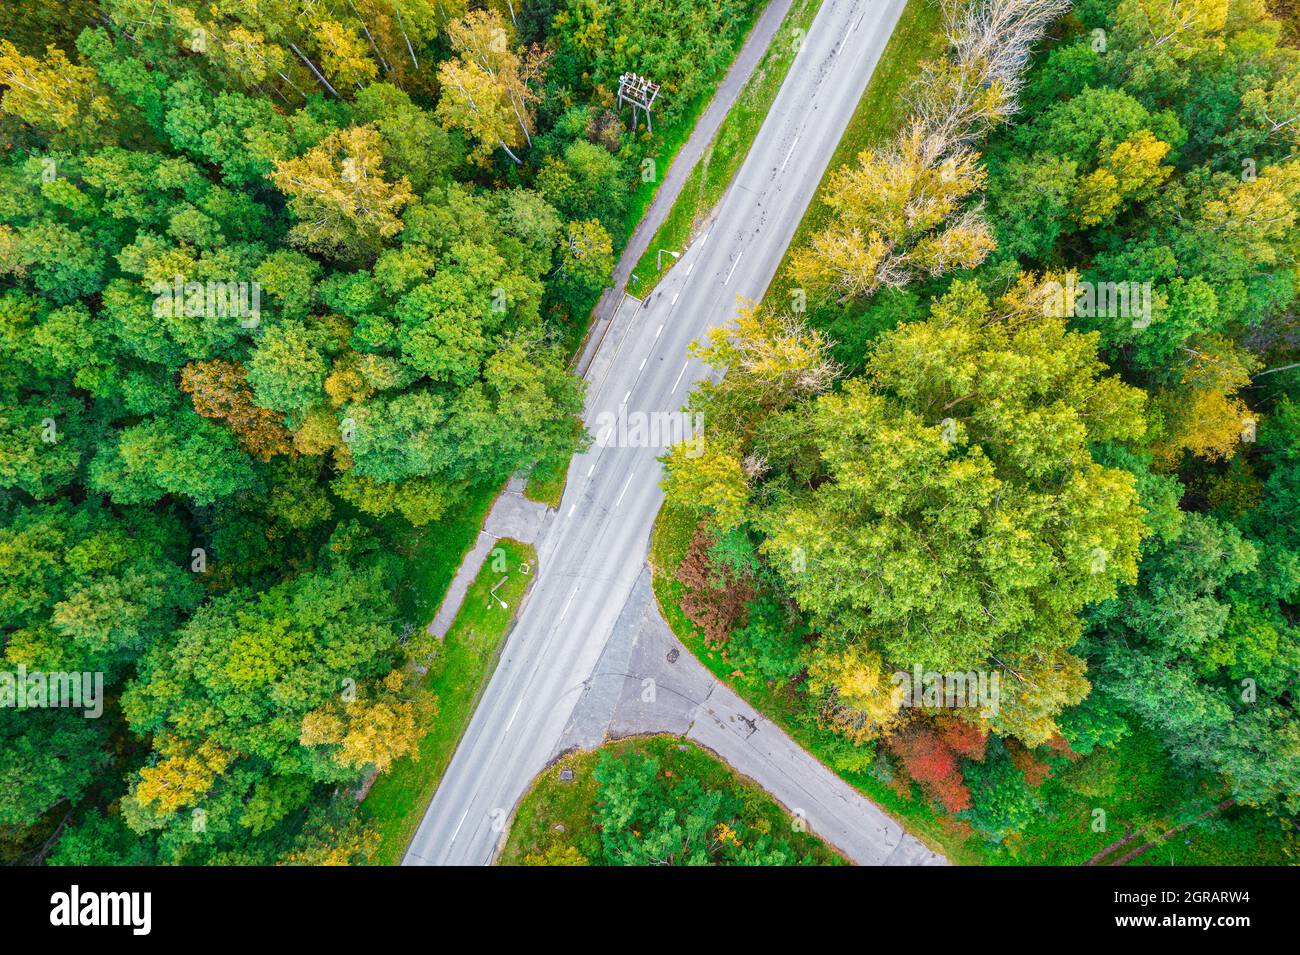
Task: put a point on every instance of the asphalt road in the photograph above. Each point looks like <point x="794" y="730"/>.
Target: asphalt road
<point x="594" y="550"/>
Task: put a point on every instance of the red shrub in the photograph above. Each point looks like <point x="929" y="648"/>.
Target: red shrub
<point x="713" y="601"/>
<point x="1059" y="745"/>
<point x="965" y="739"/>
<point x="925" y="756"/>
<point x="1036" y="772"/>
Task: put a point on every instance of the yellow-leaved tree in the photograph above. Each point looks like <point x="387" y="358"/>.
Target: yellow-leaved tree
<point x="1203" y="415"/>
<point x="856" y="694"/>
<point x="341" y="203"/>
<point x="53" y="94"/>
<point x="899" y="213"/>
<point x="371" y="731"/>
<point x="1131" y="172"/>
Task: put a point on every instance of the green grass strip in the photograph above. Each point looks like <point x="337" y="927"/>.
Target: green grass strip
<point x="397" y="801"/>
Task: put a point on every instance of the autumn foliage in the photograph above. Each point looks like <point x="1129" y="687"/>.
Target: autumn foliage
<point x="220" y="390"/>
<point x="714" y="601"/>
<point x="965" y="739"/>
<point x="930" y="753"/>
<point x="1036" y="772"/>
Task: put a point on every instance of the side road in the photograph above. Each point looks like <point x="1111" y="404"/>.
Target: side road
<point x="647" y="682"/>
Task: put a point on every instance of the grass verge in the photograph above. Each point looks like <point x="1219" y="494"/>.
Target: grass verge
<point x="465" y="660"/>
<point x="555" y="813"/>
<point x="433" y="553"/>
<point x="545" y="485"/>
<point x="661" y="147"/>
<point x="671" y="138"/>
<point x="708" y="181"/>
<point x="547" y="479"/>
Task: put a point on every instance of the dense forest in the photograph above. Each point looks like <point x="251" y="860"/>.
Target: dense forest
<point x="283" y="286"/>
<point x="1032" y="412"/>
<point x="288" y="287"/>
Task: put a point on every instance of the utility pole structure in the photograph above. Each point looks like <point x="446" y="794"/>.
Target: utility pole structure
<point x="639" y="93"/>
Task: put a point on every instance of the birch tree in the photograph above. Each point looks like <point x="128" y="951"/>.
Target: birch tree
<point x="481" y="39"/>
<point x="338" y="194"/>
<point x="473" y="102"/>
<point x="898" y="214"/>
